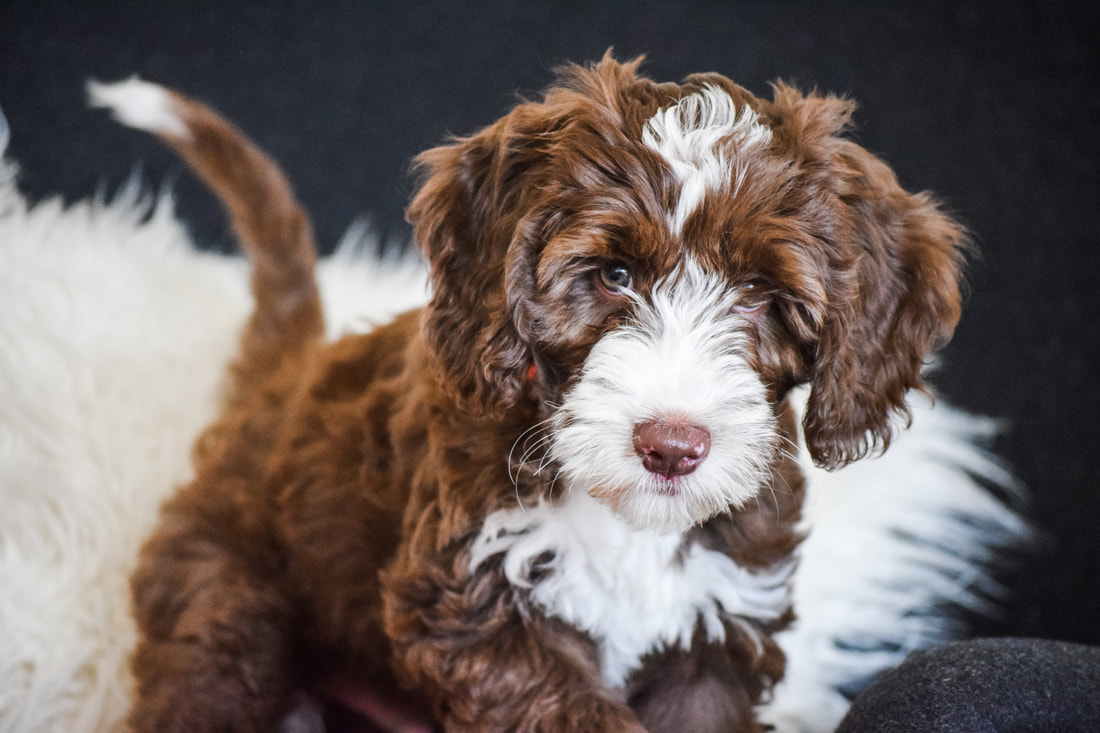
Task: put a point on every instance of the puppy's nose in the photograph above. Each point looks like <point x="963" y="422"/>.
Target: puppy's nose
<point x="669" y="448"/>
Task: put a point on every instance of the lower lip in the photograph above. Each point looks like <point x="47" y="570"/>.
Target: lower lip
<point x="667" y="487"/>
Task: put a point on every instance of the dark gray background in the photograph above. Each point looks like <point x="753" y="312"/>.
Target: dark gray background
<point x="993" y="106"/>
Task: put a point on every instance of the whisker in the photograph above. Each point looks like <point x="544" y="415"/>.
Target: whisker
<point x="789" y="448"/>
<point x="775" y="501"/>
<point x="545" y="461"/>
<point x="528" y="450"/>
<point x="514" y="477"/>
<point x="553" y="483"/>
<point x="531" y="447"/>
<point x="793" y="457"/>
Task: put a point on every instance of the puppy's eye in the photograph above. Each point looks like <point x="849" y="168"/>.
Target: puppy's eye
<point x="614" y="278"/>
<point x="752" y="297"/>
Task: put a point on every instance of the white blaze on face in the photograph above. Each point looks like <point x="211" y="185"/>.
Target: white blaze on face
<point x="699" y="137"/>
<point x="683" y="359"/>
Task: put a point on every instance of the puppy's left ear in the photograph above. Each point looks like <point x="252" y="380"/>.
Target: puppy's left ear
<point x="894" y="296"/>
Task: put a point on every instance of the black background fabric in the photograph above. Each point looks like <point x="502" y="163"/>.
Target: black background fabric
<point x="995" y="107"/>
<point x="985" y="685"/>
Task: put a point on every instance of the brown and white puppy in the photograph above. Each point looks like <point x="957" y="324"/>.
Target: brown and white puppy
<point x="563" y="496"/>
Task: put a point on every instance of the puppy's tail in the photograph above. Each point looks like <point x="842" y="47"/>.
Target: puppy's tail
<point x="268" y="220"/>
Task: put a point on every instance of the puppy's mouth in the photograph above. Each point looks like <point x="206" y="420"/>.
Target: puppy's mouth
<point x="667" y="486"/>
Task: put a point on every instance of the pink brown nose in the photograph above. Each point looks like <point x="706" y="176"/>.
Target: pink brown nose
<point x="671" y="449"/>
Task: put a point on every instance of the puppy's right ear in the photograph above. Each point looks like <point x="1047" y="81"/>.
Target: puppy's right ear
<point x="476" y="216"/>
<point x="466" y="217"/>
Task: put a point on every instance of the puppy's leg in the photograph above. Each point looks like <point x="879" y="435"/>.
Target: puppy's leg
<point x="215" y="649"/>
<point x="711" y="688"/>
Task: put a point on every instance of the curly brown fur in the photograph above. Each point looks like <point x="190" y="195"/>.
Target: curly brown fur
<point x="362" y="509"/>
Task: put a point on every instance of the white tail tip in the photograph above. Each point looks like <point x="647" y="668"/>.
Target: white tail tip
<point x="139" y="104"/>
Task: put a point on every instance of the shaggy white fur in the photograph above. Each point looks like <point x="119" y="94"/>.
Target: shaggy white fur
<point x="114" y="340"/>
<point x="113" y="343"/>
<point x="897" y="546"/>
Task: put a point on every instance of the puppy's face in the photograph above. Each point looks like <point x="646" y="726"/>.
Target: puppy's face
<point x="672" y="259"/>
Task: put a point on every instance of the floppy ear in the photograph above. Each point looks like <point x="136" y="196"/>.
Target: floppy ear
<point x="465" y="217"/>
<point x="892" y="263"/>
<point x="476" y="217"/>
<point x="895" y="297"/>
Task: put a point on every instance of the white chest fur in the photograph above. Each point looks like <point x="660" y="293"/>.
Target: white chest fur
<point x="633" y="592"/>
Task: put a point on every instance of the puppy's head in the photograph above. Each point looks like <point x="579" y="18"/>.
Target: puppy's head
<point x="672" y="259"/>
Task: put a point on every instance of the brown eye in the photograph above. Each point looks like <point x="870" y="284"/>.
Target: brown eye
<point x="752" y="297"/>
<point x="615" y="279"/>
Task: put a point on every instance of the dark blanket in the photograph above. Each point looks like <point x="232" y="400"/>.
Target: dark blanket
<point x="995" y="685"/>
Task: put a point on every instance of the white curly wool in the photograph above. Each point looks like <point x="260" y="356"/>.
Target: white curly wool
<point x="114" y="339"/>
<point x="896" y="546"/>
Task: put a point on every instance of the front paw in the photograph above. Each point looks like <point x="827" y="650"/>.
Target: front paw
<point x="182" y="689"/>
<point x="596" y="715"/>
<point x="552" y="714"/>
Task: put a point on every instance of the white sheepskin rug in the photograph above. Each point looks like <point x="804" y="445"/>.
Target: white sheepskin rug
<point x="114" y="337"/>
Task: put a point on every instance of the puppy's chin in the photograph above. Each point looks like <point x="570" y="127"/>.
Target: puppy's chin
<point x="660" y="507"/>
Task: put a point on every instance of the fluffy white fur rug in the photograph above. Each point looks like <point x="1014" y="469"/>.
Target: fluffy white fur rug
<point x="114" y="337"/>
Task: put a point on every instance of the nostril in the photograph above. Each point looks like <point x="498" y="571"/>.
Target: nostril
<point x="671" y="448"/>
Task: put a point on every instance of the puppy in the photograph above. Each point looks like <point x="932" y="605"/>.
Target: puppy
<point x="564" y="495"/>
